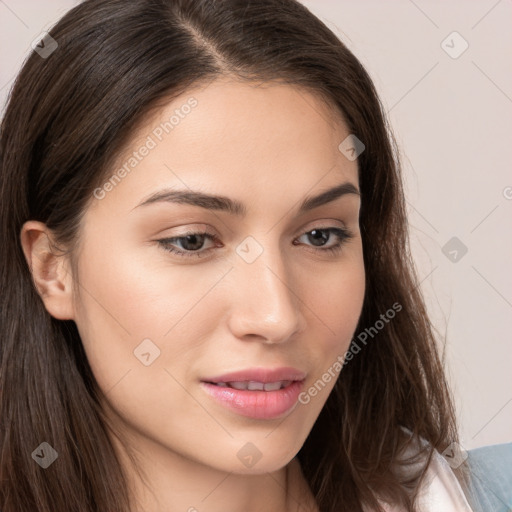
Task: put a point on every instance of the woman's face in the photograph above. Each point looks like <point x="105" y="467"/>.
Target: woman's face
<point x="271" y="286"/>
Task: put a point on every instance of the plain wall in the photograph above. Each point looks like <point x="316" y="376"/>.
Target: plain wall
<point x="452" y="117"/>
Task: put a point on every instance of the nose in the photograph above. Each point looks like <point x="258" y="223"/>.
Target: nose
<point x="265" y="305"/>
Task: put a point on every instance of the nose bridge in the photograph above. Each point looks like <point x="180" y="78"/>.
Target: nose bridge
<point x="266" y="304"/>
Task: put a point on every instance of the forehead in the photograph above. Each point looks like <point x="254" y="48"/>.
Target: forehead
<point x="231" y="135"/>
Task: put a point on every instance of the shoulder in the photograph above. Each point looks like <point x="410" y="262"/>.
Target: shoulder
<point x="491" y="477"/>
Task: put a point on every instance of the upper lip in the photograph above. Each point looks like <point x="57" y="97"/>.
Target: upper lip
<point x="260" y="375"/>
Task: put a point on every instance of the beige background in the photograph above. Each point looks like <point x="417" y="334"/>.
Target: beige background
<point x="452" y="118"/>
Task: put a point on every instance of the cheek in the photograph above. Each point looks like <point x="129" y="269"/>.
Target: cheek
<point x="142" y="326"/>
<point x="126" y="300"/>
<point x="335" y="300"/>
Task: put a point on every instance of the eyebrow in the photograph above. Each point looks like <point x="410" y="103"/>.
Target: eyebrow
<point x="234" y="207"/>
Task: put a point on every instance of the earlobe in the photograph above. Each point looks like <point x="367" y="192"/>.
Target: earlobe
<point x="51" y="272"/>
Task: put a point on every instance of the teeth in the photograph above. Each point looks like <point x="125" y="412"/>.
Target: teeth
<point x="272" y="386"/>
<point x="239" y="385"/>
<point x="255" y="386"/>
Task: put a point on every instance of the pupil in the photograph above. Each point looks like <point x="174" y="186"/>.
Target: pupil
<point x="192" y="238"/>
<point x="318" y="235"/>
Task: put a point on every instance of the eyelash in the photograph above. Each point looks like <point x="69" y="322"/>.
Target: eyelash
<point x="342" y="233"/>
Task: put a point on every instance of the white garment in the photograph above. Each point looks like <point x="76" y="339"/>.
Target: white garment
<point x="441" y="491"/>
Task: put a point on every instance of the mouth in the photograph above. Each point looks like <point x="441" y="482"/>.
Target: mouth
<point x="264" y="399"/>
<point x="251" y="385"/>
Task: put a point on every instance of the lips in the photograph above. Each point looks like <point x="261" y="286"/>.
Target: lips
<point x="257" y="393"/>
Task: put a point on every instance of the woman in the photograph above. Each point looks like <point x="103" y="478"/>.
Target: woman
<point x="208" y="297"/>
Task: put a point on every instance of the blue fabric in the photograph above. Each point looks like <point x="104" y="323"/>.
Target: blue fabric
<point x="491" y="477"/>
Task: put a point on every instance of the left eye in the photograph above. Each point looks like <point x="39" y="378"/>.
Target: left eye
<point x="319" y="236"/>
<point x="192" y="243"/>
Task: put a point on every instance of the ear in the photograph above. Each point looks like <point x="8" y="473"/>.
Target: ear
<point x="51" y="271"/>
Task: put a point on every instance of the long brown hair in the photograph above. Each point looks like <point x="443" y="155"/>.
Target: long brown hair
<point x="68" y="116"/>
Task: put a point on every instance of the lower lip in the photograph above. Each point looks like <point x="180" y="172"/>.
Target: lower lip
<point x="264" y="405"/>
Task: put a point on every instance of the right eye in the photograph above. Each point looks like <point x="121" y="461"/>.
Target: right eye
<point x="190" y="242"/>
